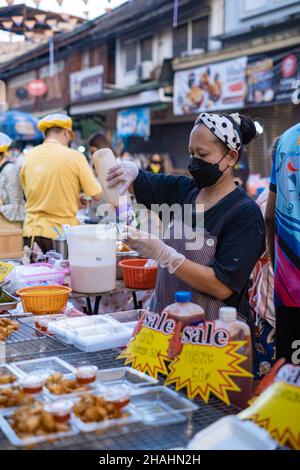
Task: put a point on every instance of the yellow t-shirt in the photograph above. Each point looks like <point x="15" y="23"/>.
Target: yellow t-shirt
<point x="52" y="177"/>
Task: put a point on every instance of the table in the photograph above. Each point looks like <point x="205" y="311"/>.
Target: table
<point x="134" y="437"/>
<point x="94" y="310"/>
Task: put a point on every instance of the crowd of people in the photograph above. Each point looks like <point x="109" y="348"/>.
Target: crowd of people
<point x="246" y="262"/>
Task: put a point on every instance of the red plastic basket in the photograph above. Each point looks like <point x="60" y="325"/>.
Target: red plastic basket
<point x="136" y="276"/>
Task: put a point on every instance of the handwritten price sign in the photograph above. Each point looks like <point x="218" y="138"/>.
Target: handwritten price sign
<point x="5" y="269"/>
<point x="277" y="410"/>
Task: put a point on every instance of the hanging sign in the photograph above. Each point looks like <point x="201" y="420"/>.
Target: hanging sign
<point x="277" y="410"/>
<point x="37" y="88"/>
<point x="206" y="361"/>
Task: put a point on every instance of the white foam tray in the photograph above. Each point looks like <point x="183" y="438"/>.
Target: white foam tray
<point x="230" y="433"/>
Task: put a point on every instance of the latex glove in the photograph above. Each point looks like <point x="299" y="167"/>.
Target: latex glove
<point x="125" y="172"/>
<point x="151" y="247"/>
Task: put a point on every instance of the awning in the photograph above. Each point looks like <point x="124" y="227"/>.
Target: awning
<point x="146" y="97"/>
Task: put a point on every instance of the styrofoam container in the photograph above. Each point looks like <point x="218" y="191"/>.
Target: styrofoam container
<point x="94" y="339"/>
<point x="65" y="329"/>
<point x="5" y="426"/>
<point x="230" y="433"/>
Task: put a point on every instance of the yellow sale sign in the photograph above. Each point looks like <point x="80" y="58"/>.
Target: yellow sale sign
<point x="5" y="269"/>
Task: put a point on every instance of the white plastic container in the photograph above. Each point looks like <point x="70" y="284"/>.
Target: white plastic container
<point x="231" y="433"/>
<point x="92" y="255"/>
<point x="92" y="339"/>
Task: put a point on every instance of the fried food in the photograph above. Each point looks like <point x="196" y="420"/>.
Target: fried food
<point x="7" y="328"/>
<point x="7" y="378"/>
<point x="122" y="247"/>
<point x="58" y="385"/>
<point x="29" y="421"/>
<point x="91" y="409"/>
<point x="13" y="396"/>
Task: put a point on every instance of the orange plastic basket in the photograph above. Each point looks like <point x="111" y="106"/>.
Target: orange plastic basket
<point x="136" y="276"/>
<point x="42" y="300"/>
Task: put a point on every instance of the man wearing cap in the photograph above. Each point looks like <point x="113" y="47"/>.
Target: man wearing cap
<point x="53" y="176"/>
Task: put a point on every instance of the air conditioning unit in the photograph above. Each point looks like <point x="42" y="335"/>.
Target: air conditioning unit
<point x="144" y="71"/>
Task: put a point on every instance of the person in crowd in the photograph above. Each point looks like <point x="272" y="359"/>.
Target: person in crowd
<point x="99" y="141"/>
<point x="233" y="235"/>
<point x="53" y="176"/>
<point x="262" y="300"/>
<point x="11" y="193"/>
<point x="283" y="230"/>
<point x="156" y="164"/>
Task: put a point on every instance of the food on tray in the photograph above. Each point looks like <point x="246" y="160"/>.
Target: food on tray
<point x="14" y="396"/>
<point x="122" y="247"/>
<point x="33" y="420"/>
<point x="118" y="396"/>
<point x="7" y="328"/>
<point x="91" y="409"/>
<point x="58" y="385"/>
<point x="7" y="378"/>
<point x="86" y="375"/>
<point x="60" y="410"/>
<point x="32" y="384"/>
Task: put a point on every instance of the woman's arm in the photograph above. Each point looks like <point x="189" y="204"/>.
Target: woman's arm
<point x="203" y="279"/>
<point x="270" y="224"/>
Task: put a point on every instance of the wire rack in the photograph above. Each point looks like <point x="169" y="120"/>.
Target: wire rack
<point x="28" y="341"/>
<point x="137" y="436"/>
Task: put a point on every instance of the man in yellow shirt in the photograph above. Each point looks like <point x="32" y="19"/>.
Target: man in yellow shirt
<point x="53" y="176"/>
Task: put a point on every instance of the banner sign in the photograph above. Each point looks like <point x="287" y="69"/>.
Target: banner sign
<point x="87" y="84"/>
<point x="272" y="78"/>
<point x="218" y="86"/>
<point x="134" y="121"/>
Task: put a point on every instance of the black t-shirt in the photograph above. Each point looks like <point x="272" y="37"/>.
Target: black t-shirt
<point x="241" y="241"/>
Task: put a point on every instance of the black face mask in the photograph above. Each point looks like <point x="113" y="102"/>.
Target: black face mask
<point x="205" y="174"/>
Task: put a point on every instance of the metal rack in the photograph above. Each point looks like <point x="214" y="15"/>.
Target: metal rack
<point x="28" y="341"/>
<point x="136" y="436"/>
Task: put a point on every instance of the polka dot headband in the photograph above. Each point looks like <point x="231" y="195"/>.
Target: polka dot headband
<point x="223" y="127"/>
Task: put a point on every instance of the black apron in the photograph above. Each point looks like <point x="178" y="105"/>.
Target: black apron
<point x="167" y="284"/>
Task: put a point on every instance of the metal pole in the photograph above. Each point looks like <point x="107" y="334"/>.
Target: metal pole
<point x="51" y="57"/>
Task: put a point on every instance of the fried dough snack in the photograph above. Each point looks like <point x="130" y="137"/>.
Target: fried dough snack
<point x="7" y="328"/>
<point x="92" y="409"/>
<point x="6" y="378"/>
<point x="29" y="421"/>
<point x="13" y="396"/>
<point x="122" y="247"/>
<point x="58" y="385"/>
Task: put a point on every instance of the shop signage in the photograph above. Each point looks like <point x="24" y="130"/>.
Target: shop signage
<point x="217" y="86"/>
<point x="37" y="88"/>
<point x="206" y="363"/>
<point x="134" y="121"/>
<point x="87" y="84"/>
<point x="272" y="78"/>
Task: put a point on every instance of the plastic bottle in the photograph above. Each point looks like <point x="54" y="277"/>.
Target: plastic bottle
<point x="238" y="331"/>
<point x="184" y="312"/>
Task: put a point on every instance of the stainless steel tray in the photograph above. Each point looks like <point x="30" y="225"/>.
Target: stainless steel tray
<point x="10" y="302"/>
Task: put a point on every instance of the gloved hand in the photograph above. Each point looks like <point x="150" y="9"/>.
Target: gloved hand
<point x="151" y="247"/>
<point x="125" y="172"/>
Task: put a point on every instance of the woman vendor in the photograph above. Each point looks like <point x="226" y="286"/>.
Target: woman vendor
<point x="234" y="234"/>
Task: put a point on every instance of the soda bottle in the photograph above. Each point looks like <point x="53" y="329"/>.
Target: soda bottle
<point x="238" y="331"/>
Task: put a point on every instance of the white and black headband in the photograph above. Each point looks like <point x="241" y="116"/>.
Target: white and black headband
<point x="227" y="129"/>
